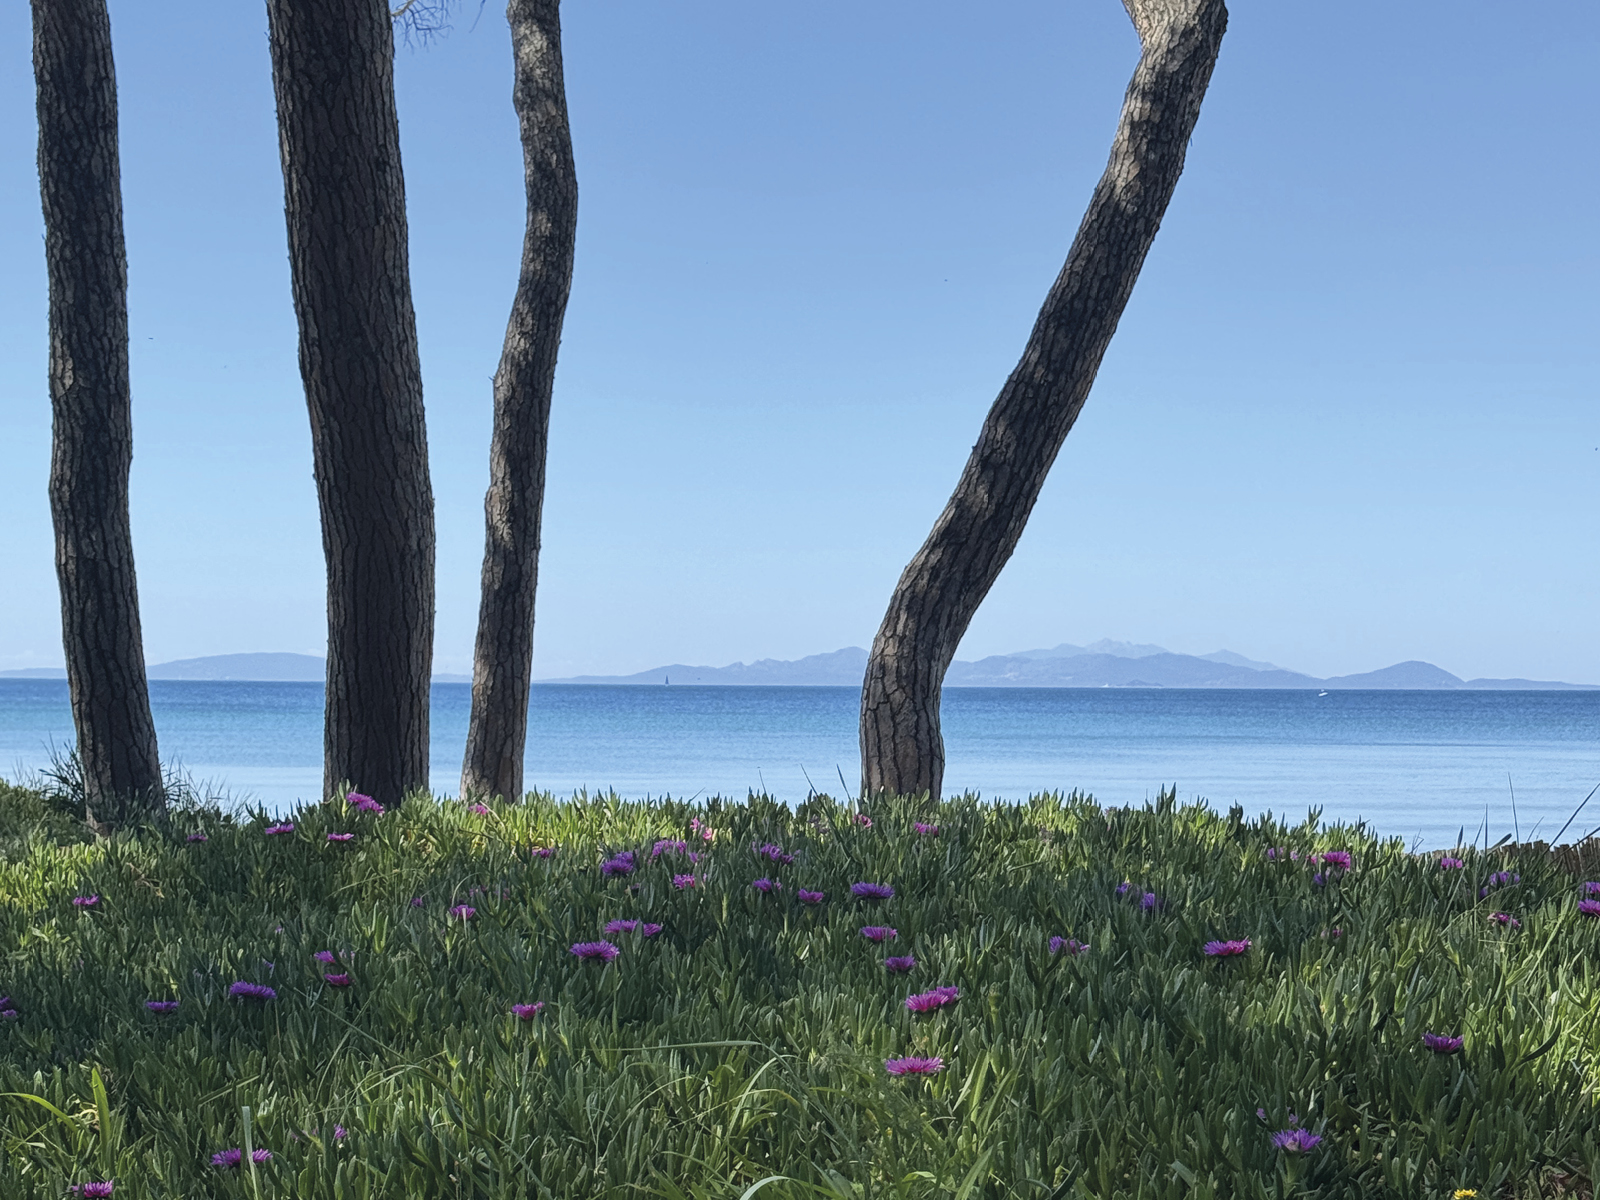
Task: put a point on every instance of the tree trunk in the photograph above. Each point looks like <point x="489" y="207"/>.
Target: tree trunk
<point x="902" y="752"/>
<point x="344" y="200"/>
<point x="92" y="421"/>
<point x="502" y="667"/>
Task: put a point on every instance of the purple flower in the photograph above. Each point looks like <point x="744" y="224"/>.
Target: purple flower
<point x="900" y="964"/>
<point x="1274" y="853"/>
<point x="337" y="980"/>
<point x="274" y="830"/>
<point x="481" y="810"/>
<point x="810" y="897"/>
<point x="683" y="881"/>
<point x="618" y="864"/>
<point x="340" y="1133"/>
<point x="1506" y="920"/>
<point x="863" y="820"/>
<point x="650" y="929"/>
<point x="767" y="886"/>
<point x="926" y="830"/>
<point x="1337" y="858"/>
<point x="1591" y="888"/>
<point x="96" y="1189"/>
<point x="1442" y="1044"/>
<point x="85" y="901"/>
<point x="669" y="846"/>
<point x="1589" y="908"/>
<point x="261" y="1156"/>
<point x="251" y="991"/>
<point x="937" y="998"/>
<point x="1335" y="932"/>
<point x="912" y="1065"/>
<point x="1319" y="879"/>
<point x="228" y="1158"/>
<point x="603" y="951"/>
<point x="621" y="926"/>
<point x="1122" y="888"/>
<point x="1149" y="902"/>
<point x="872" y="891"/>
<point x="1296" y="1141"/>
<point x="416" y="902"/>
<point x="1446" y="863"/>
<point x="543" y="852"/>
<point x="774" y="852"/>
<point x="162" y="1006"/>
<point x="326" y="956"/>
<point x="879" y="933"/>
<point x="1071" y="945"/>
<point x="527" y="1012"/>
<point x="464" y="911"/>
<point x="1227" y="949"/>
<point x="197" y="837"/>
<point x="364" y="803"/>
<point x="340" y="837"/>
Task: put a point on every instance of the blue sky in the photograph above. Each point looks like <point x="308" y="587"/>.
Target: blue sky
<point x="1349" y="417"/>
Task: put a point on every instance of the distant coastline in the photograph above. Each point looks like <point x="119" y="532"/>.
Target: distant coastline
<point x="1099" y="665"/>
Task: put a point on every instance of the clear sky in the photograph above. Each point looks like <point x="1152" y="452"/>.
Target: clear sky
<point x="1349" y="417"/>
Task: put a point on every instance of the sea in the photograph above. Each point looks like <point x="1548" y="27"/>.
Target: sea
<point x="1435" y="768"/>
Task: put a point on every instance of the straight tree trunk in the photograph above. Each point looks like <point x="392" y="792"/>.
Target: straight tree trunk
<point x="902" y="752"/>
<point x="344" y="200"/>
<point x="92" y="422"/>
<point x="502" y="667"/>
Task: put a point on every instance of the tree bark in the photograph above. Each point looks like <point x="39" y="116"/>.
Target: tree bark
<point x="502" y="668"/>
<point x="902" y="752"/>
<point x="91" y="405"/>
<point x="344" y="201"/>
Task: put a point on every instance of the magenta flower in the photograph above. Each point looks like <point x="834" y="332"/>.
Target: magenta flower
<point x="702" y="830"/>
<point x="416" y="902"/>
<point x="602" y="951"/>
<point x="543" y="852"/>
<point x="669" y="846"/>
<point x="767" y="886"/>
<point x="1337" y="858"/>
<point x="1227" y="949"/>
<point x="926" y="830"/>
<point x="1446" y="863"/>
<point x="85" y="901"/>
<point x="912" y="1065"/>
<point x="326" y="956"/>
<point x="774" y="852"/>
<point x="1071" y="945"/>
<point x="863" y="820"/>
<point x="527" y="1012"/>
<point x="274" y="830"/>
<point x="621" y="926"/>
<point x="1589" y="908"/>
<point x="937" y="998"/>
<point x="1335" y="932"/>
<point x="228" y="1158"/>
<point x="337" y="980"/>
<point x="683" y="881"/>
<point x="464" y="911"/>
<point x="879" y="933"/>
<point x="261" y="1156"/>
<point x="95" y="1189"/>
<point x="1442" y="1044"/>
<point x="364" y="804"/>
<point x="1296" y="1141"/>
<point x="872" y="891"/>
<point x="618" y="864"/>
<point x="1506" y="920"/>
<point x="1592" y="888"/>
<point x="900" y="964"/>
<point x="197" y="837"/>
<point x="1498" y="879"/>
<point x="242" y="990"/>
<point x="161" y="1006"/>
<point x="481" y="810"/>
<point x="810" y="897"/>
<point x="340" y="837"/>
<point x="650" y="929"/>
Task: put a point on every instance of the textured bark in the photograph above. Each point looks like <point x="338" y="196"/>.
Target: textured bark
<point x="92" y="422"/>
<point x="344" y="200"/>
<point x="902" y="752"/>
<point x="502" y="667"/>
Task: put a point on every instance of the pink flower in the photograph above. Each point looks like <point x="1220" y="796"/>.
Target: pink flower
<point x="274" y="830"/>
<point x="94" y="1190"/>
<point x="863" y="820"/>
<point x="1446" y="863"/>
<point x="1441" y="1043"/>
<point x="650" y="929"/>
<point x="338" y="980"/>
<point x="85" y="901"/>
<point x="326" y="956"/>
<point x="926" y="830"/>
<point x="364" y="804"/>
<point x="879" y="933"/>
<point x="527" y="1012"/>
<point x="543" y="851"/>
<point x="1227" y="949"/>
<point x="682" y="881"/>
<point x="340" y="837"/>
<point x="416" y="902"/>
<point x="928" y="1001"/>
<point x="197" y="837"/>
<point x="481" y="809"/>
<point x="810" y="897"/>
<point x="912" y="1065"/>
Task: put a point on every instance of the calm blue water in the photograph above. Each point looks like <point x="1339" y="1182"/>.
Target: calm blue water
<point x="1413" y="764"/>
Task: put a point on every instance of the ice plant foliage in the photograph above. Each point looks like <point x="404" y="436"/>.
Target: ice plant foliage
<point x="596" y="951"/>
<point x="913" y="1065"/>
<point x="923" y="1002"/>
<point x="872" y="891"/>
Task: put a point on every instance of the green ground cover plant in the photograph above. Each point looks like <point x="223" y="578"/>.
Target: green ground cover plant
<point x="1161" y="1002"/>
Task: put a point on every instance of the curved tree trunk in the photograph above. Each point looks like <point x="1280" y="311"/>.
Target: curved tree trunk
<point x="502" y="667"/>
<point x="902" y="752"/>
<point x="92" y="427"/>
<point x="344" y="200"/>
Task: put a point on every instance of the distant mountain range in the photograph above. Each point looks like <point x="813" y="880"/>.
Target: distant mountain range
<point x="1100" y="664"/>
